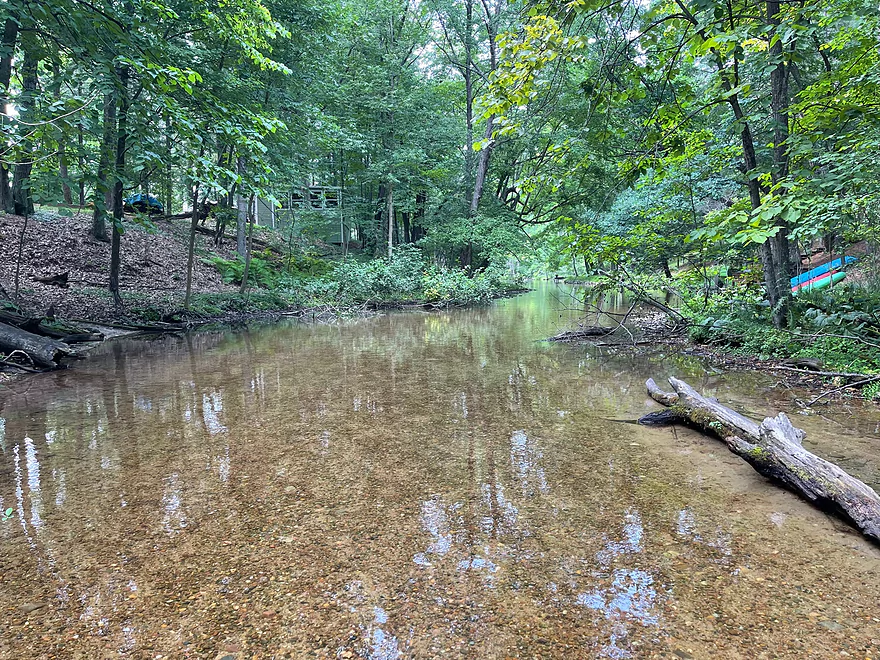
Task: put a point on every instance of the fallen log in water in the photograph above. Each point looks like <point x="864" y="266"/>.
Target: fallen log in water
<point x="49" y="327"/>
<point x="44" y="352"/>
<point x="582" y="333"/>
<point x="774" y="449"/>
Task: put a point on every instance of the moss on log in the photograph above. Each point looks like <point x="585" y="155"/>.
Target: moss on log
<point x="775" y="449"/>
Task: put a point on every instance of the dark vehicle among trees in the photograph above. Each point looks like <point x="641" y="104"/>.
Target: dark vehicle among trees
<point x="144" y="204"/>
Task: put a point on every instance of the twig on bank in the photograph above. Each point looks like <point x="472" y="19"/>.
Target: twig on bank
<point x="866" y="381"/>
<point x="817" y="335"/>
<point x="643" y="342"/>
<point x="824" y="374"/>
<point x="14" y="365"/>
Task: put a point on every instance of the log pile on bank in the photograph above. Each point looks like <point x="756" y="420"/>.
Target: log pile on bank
<point x="774" y="448"/>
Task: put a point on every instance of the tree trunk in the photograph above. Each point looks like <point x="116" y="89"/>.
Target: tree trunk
<point x="118" y="184"/>
<point x="21" y="236"/>
<point x="241" y="220"/>
<point x="469" y="103"/>
<point x="389" y="212"/>
<point x="375" y="237"/>
<point x="10" y="37"/>
<point x="768" y="263"/>
<point x="194" y="225"/>
<point x="467" y="256"/>
<point x="81" y="166"/>
<point x="779" y="102"/>
<point x="103" y="191"/>
<point x="482" y="167"/>
<point x="247" y="260"/>
<point x="169" y="172"/>
<point x="407" y="232"/>
<point x="241" y="226"/>
<point x="22" y="200"/>
<point x="63" y="174"/>
<point x="774" y="448"/>
<point x="417" y="230"/>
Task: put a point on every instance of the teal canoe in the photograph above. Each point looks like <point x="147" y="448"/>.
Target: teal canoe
<point x="828" y="280"/>
<point x="821" y="270"/>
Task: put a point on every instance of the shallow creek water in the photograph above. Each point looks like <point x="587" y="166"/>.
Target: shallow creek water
<point x="415" y="485"/>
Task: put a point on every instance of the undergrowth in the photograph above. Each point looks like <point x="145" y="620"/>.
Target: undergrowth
<point x="840" y="327"/>
<point x="405" y="277"/>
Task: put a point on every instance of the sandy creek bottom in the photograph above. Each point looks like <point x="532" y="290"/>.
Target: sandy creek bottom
<point x="416" y="485"/>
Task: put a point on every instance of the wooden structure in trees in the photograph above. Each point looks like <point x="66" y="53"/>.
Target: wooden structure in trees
<point x="321" y="205"/>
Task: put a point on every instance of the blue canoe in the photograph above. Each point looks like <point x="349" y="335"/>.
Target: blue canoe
<point x="821" y="270"/>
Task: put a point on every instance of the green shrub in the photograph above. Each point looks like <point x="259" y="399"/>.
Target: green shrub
<point x="404" y="277"/>
<point x="455" y="287"/>
<point x="398" y="277"/>
<point x="839" y="327"/>
<point x="260" y="271"/>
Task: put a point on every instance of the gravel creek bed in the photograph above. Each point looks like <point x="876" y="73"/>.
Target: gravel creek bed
<point x="413" y="485"/>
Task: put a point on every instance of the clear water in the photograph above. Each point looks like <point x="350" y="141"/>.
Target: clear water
<point x="416" y="485"/>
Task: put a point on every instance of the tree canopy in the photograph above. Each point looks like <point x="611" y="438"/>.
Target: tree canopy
<point x="606" y="135"/>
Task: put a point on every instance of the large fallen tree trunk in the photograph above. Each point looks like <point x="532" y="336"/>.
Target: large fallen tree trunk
<point x="210" y="232"/>
<point x="256" y="241"/>
<point x="774" y="448"/>
<point x="55" y="329"/>
<point x="44" y="352"/>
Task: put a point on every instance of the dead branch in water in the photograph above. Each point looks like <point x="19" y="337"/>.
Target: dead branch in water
<point x="859" y="383"/>
<point x="774" y="448"/>
<point x="582" y="333"/>
<point x="823" y="374"/>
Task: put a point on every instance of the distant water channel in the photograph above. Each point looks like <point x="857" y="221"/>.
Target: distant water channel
<point x="414" y="485"/>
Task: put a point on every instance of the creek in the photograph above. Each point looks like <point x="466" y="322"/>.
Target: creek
<point x="414" y="485"/>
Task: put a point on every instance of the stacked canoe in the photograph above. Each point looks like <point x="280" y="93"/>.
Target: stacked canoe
<point x="821" y="276"/>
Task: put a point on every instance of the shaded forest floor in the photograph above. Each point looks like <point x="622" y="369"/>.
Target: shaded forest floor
<point x="152" y="275"/>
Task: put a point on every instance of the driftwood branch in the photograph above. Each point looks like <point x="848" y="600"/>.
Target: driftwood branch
<point x="823" y="374"/>
<point x="774" y="448"/>
<point x="643" y="295"/>
<point x="15" y="365"/>
<point x="582" y="333"/>
<point x="858" y="383"/>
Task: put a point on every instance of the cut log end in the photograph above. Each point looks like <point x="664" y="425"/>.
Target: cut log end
<point x="59" y="280"/>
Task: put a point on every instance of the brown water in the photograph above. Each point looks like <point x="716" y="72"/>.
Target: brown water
<point x="412" y="486"/>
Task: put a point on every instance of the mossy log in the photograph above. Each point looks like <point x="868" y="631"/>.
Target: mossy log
<point x="55" y="329"/>
<point x="44" y="352"/>
<point x="774" y="448"/>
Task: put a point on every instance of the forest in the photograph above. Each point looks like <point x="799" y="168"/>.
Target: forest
<point x="283" y="154"/>
<point x="341" y="329"/>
